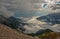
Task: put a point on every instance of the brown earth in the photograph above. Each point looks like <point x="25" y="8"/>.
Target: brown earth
<point x="8" y="33"/>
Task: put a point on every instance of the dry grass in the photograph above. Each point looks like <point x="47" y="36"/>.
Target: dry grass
<point x="8" y="33"/>
<point x="52" y="35"/>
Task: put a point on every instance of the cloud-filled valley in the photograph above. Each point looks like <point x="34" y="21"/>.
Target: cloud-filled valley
<point x="26" y="12"/>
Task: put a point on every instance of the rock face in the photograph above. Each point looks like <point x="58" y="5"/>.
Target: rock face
<point x="8" y="33"/>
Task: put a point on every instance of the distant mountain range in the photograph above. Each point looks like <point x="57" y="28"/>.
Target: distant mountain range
<point x="52" y="19"/>
<point x="15" y="23"/>
<point x="12" y="22"/>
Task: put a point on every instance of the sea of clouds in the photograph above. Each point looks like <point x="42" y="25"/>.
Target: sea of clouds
<point x="35" y="25"/>
<point x="29" y="8"/>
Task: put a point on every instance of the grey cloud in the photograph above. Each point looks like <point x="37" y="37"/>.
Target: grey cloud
<point x="22" y="7"/>
<point x="5" y="12"/>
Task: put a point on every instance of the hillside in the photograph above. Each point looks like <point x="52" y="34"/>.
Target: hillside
<point x="8" y="33"/>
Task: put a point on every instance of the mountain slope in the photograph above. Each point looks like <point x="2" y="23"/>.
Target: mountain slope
<point x="8" y="33"/>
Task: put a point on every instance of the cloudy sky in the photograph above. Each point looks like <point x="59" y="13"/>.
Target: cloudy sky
<point x="26" y="8"/>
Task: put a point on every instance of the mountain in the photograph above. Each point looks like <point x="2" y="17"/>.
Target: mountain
<point x="11" y="25"/>
<point x="18" y="24"/>
<point x="2" y="19"/>
<point x="40" y="32"/>
<point x="13" y="22"/>
<point x="9" y="33"/>
<point x="52" y="19"/>
<point x="43" y="31"/>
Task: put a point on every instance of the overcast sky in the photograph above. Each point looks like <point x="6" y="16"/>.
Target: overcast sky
<point x="23" y="8"/>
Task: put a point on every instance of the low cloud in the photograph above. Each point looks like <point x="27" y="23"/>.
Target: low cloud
<point x="35" y="25"/>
